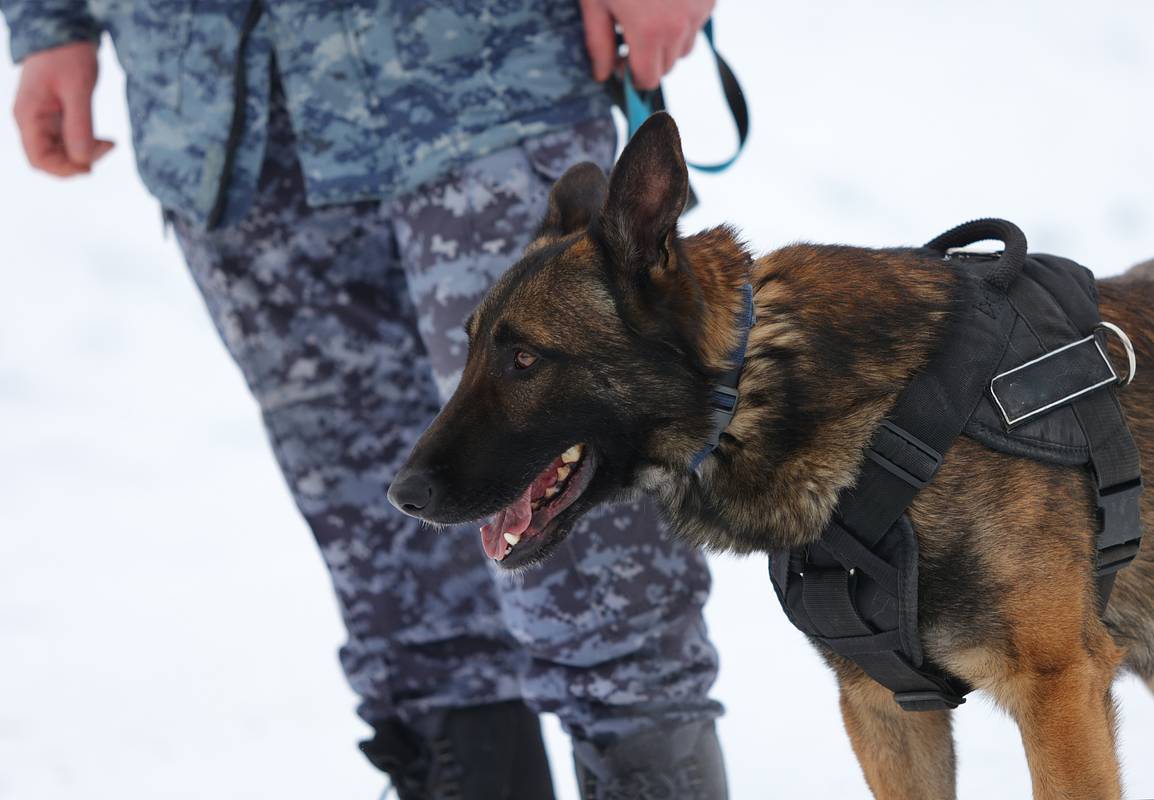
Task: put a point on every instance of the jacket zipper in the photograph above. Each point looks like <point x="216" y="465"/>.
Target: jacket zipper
<point x="236" y="127"/>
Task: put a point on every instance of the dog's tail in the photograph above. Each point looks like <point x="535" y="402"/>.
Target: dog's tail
<point x="1141" y="272"/>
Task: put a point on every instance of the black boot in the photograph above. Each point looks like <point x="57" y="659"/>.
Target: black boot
<point x="492" y="752"/>
<point x="682" y="763"/>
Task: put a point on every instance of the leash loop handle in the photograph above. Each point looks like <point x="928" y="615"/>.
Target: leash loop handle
<point x="1009" y="266"/>
<point x="638" y="105"/>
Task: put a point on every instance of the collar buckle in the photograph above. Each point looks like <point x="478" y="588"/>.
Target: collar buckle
<point x="723" y="401"/>
<point x="723" y="396"/>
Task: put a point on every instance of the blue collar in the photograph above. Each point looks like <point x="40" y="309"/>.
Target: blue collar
<point x="724" y="396"/>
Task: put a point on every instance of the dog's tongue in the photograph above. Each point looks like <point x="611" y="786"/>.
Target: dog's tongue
<point x="514" y="519"/>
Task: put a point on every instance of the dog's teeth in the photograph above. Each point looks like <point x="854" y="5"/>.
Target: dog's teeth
<point x="512" y="538"/>
<point x="563" y="473"/>
<point x="551" y="492"/>
<point x="572" y="455"/>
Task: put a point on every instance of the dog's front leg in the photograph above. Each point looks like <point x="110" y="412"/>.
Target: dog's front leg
<point x="1067" y="722"/>
<point x="905" y="755"/>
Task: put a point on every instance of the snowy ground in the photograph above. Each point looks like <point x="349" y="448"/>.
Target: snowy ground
<point x="166" y="627"/>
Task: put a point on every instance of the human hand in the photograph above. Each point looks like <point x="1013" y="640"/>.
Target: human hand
<point x="53" y="110"/>
<point x="657" y="34"/>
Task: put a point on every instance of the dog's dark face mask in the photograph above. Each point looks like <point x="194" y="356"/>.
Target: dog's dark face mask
<point x="582" y="376"/>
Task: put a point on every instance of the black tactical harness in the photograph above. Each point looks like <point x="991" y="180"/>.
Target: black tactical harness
<point x="1023" y="369"/>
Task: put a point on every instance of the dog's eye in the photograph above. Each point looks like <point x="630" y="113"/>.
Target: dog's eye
<point x="524" y="359"/>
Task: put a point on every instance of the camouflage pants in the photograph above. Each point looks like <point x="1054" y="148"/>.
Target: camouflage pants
<point x="347" y="324"/>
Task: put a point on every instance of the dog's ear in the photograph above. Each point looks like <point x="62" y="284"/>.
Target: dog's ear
<point x="647" y="193"/>
<point x="576" y="198"/>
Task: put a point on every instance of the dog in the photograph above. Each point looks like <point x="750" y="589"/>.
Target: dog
<point x="588" y="381"/>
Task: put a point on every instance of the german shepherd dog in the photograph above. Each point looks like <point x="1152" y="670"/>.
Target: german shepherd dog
<point x="588" y="380"/>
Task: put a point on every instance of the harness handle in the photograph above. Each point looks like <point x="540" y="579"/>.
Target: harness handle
<point x="1009" y="266"/>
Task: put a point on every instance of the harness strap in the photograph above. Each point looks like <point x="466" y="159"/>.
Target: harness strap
<point x="905" y="453"/>
<point x="830" y="599"/>
<point x="1118" y="481"/>
<point x="930" y="414"/>
<point x="1114" y="458"/>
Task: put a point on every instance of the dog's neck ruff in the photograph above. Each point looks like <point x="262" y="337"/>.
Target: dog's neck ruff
<point x="723" y="397"/>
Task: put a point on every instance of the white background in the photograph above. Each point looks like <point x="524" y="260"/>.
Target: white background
<point x="166" y="625"/>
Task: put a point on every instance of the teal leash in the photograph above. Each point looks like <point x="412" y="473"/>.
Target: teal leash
<point x="638" y="106"/>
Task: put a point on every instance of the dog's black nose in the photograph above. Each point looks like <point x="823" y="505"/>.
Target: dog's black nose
<point x="412" y="492"/>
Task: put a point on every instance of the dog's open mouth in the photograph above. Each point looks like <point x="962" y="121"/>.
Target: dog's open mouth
<point x="530" y="515"/>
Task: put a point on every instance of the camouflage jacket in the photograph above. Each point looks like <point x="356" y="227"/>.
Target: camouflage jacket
<point x="384" y="94"/>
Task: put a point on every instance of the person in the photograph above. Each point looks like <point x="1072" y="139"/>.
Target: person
<point x="345" y="180"/>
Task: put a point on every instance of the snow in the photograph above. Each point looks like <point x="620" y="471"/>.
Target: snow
<point x="166" y="626"/>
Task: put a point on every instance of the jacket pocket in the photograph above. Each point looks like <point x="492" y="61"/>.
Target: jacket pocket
<point x="551" y="154"/>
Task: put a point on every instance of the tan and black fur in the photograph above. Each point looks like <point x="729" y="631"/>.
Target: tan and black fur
<point x="632" y="322"/>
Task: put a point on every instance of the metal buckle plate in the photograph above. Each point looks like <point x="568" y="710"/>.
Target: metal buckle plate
<point x="1036" y="387"/>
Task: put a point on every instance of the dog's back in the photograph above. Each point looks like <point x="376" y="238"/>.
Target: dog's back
<point x="1140" y="272"/>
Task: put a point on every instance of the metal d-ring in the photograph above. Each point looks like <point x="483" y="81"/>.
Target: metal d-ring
<point x="1127" y="345"/>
